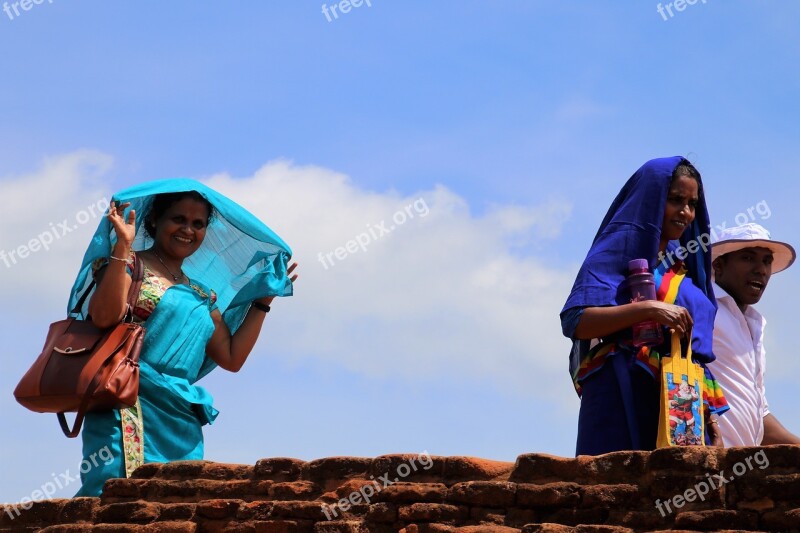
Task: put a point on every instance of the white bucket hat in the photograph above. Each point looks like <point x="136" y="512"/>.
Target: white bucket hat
<point x="752" y="236"/>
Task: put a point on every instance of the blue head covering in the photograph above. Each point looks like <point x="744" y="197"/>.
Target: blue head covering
<point x="241" y="259"/>
<point x="631" y="230"/>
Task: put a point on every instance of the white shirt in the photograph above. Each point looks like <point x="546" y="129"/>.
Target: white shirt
<point x="739" y="369"/>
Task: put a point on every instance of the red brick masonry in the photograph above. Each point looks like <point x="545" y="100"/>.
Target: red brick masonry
<point x="611" y="493"/>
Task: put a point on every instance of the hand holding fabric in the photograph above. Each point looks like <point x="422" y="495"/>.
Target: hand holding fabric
<point x="293" y="277"/>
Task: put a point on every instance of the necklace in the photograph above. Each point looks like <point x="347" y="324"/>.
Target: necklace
<point x="174" y="277"/>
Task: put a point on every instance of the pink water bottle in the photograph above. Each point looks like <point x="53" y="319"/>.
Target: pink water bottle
<point x="643" y="287"/>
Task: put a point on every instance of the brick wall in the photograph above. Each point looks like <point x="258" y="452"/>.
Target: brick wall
<point x="610" y="493"/>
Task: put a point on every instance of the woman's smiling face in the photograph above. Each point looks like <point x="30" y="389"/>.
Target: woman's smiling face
<point x="181" y="229"/>
<point x="682" y="200"/>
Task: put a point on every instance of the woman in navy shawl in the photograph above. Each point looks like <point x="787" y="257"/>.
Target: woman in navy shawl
<point x="659" y="214"/>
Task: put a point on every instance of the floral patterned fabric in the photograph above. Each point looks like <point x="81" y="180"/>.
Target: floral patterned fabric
<point x="153" y="288"/>
<point x="132" y="437"/>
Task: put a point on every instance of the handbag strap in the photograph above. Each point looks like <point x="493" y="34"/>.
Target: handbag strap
<point x="136" y="287"/>
<point x="87" y="397"/>
<point x="76" y="428"/>
<point x="677" y="347"/>
<point x="133" y="294"/>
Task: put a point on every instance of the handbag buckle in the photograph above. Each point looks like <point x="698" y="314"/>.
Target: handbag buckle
<point x="68" y="350"/>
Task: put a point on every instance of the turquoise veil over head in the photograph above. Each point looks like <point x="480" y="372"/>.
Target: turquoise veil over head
<point x="241" y="259"/>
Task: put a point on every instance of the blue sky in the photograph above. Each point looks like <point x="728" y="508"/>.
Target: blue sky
<point x="515" y="122"/>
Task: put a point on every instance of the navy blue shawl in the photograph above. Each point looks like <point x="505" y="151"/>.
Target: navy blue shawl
<point x="632" y="229"/>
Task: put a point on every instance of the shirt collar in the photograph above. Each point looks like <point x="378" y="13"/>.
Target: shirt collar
<point x="722" y="296"/>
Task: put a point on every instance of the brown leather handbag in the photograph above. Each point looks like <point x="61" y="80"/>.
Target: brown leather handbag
<point x="84" y="368"/>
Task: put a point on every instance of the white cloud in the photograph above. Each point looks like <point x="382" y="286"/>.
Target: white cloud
<point x="446" y="293"/>
<point x="48" y="218"/>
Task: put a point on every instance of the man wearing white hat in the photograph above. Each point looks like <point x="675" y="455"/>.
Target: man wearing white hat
<point x="744" y="258"/>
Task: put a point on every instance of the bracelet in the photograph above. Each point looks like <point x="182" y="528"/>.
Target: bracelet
<point x="117" y="259"/>
<point x="261" y="307"/>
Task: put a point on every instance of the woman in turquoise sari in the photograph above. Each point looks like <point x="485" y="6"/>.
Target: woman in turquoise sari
<point x="211" y="271"/>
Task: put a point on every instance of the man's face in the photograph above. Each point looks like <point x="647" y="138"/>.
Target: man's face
<point x="744" y="274"/>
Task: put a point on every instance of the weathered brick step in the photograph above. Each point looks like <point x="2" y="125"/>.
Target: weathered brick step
<point x="756" y="489"/>
<point x="195" y="490"/>
<point x="405" y="467"/>
<point x="160" y="527"/>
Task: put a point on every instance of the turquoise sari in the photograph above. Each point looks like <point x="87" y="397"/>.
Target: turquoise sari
<point x="242" y="260"/>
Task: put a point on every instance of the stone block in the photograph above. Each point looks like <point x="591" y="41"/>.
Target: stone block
<point x="716" y="520"/>
<point x="483" y="493"/>
<point x="431" y="512"/>
<point x="279" y="469"/>
<point x="294" y="490"/>
<point x="413" y="493"/>
<point x="218" y="509"/>
<point x="611" y="496"/>
<point x="539" y="468"/>
<point x="558" y="494"/>
<point x="408" y="468"/>
<point x="133" y="512"/>
<point x="335" y="469"/>
<point x="460" y="469"/>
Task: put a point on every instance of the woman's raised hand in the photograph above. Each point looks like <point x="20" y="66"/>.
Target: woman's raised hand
<point x="125" y="230"/>
<point x="293" y="277"/>
<point x="675" y="317"/>
<point x="290" y="272"/>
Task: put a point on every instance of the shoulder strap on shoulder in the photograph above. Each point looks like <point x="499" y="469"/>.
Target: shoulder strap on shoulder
<point x="133" y="292"/>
